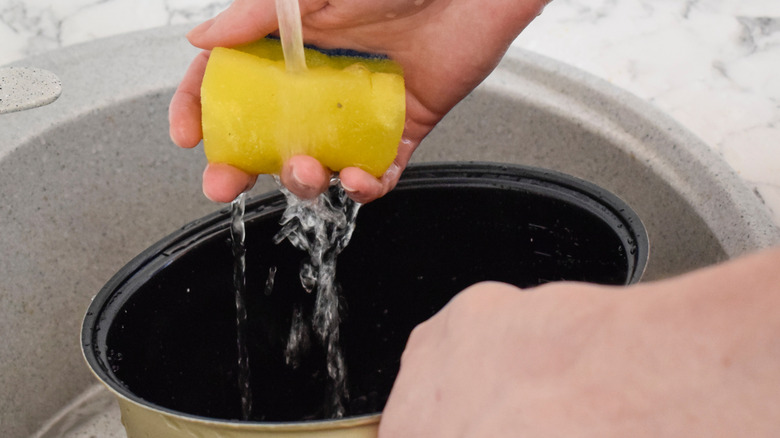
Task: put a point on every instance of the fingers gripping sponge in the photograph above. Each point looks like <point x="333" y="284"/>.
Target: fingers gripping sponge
<point x="343" y="110"/>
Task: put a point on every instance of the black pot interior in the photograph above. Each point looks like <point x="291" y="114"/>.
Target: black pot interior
<point x="164" y="330"/>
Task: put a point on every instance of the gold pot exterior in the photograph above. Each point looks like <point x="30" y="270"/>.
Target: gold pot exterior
<point x="144" y="422"/>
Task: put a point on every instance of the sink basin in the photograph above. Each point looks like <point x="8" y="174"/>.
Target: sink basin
<point x="91" y="180"/>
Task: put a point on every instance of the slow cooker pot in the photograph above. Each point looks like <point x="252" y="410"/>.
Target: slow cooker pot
<point x="161" y="334"/>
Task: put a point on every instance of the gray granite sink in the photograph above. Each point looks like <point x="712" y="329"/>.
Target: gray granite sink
<point x="92" y="179"/>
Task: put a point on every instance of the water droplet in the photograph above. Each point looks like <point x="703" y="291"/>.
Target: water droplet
<point x="269" y="282"/>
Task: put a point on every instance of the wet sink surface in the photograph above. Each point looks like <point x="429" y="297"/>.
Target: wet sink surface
<point x="91" y="180"/>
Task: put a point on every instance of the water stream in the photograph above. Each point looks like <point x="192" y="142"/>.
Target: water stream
<point x="238" y="236"/>
<point x="322" y="227"/>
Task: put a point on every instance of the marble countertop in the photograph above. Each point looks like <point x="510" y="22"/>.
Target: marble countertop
<point x="713" y="65"/>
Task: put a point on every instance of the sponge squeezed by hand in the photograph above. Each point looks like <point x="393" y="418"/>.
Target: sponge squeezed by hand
<point x="343" y="110"/>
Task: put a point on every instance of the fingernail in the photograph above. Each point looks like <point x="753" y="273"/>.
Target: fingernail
<point x="347" y="188"/>
<point x="250" y="184"/>
<point x="200" y="29"/>
<point x="173" y="135"/>
<point x="393" y="172"/>
<point x="296" y="179"/>
<point x="207" y="194"/>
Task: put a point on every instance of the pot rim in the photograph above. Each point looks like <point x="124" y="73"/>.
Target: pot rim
<point x="431" y="174"/>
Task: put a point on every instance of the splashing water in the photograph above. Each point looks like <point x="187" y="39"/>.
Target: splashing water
<point x="237" y="236"/>
<point x="321" y="227"/>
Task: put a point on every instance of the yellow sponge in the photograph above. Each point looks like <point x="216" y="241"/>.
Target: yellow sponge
<point x="343" y="110"/>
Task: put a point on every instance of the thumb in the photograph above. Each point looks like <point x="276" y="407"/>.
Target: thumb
<point x="242" y="22"/>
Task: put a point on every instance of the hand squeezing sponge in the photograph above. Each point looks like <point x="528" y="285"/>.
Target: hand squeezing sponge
<point x="342" y="110"/>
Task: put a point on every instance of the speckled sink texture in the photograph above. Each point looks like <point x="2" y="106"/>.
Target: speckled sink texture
<point x="92" y="179"/>
<point x="23" y="88"/>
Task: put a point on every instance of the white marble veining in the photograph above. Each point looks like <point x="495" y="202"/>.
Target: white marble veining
<point x="30" y="27"/>
<point x="713" y="65"/>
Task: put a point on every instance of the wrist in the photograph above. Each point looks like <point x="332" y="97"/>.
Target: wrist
<point x="704" y="346"/>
